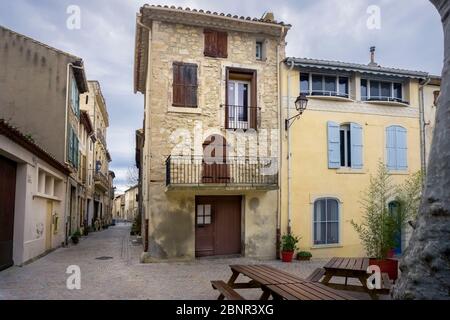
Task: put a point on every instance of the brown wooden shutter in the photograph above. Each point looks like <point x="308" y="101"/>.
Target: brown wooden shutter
<point x="178" y="85"/>
<point x="210" y="43"/>
<point x="190" y="83"/>
<point x="222" y="45"/>
<point x="436" y="97"/>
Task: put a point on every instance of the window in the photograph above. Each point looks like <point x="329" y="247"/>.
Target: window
<point x="326" y="221"/>
<point x="374" y="90"/>
<point x="345" y="146"/>
<point x="75" y="97"/>
<point x="241" y="109"/>
<point x="216" y="44"/>
<point x="396" y="148"/>
<point x="436" y="97"/>
<point x="324" y="85"/>
<point x="185" y="85"/>
<point x="345" y="141"/>
<point x="259" y="50"/>
<point x="204" y="214"/>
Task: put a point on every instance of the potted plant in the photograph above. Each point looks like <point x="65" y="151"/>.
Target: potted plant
<point x="288" y="247"/>
<point x="76" y="237"/>
<point x="304" y="256"/>
<point x="379" y="228"/>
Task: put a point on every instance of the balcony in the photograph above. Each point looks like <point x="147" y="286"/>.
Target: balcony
<point x="329" y="95"/>
<point x="101" y="137"/>
<point x="385" y="100"/>
<point x="241" y="117"/>
<point x="234" y="173"/>
<point x="101" y="181"/>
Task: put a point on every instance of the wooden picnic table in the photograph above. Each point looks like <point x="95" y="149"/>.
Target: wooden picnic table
<point x="281" y="285"/>
<point x="355" y="268"/>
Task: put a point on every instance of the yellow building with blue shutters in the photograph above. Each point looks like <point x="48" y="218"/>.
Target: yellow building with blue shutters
<point x="357" y="115"/>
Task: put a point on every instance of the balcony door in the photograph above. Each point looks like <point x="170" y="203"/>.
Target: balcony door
<point x="239" y="100"/>
<point x="215" y="168"/>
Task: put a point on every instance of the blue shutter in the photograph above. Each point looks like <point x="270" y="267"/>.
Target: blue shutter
<point x="391" y="148"/>
<point x="356" y="139"/>
<point x="70" y="146"/>
<point x="334" y="145"/>
<point x="402" y="148"/>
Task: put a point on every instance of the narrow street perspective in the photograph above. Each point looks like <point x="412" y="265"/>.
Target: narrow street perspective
<point x="268" y="151"/>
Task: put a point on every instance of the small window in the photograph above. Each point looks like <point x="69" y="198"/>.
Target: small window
<point x="436" y="97"/>
<point x="204" y="214"/>
<point x="364" y="90"/>
<point x="346" y="146"/>
<point x="330" y="86"/>
<point x="398" y="94"/>
<point x="323" y="85"/>
<point x="326" y="221"/>
<point x="343" y="87"/>
<point x="259" y="50"/>
<point x="373" y="90"/>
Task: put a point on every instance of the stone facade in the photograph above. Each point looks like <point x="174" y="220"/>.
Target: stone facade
<point x="171" y="213"/>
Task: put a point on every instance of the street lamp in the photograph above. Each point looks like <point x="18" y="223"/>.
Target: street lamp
<point x="300" y="105"/>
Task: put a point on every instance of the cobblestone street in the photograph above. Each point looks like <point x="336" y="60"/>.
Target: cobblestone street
<point x="123" y="277"/>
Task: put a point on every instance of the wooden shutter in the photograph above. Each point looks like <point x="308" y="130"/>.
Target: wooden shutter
<point x="185" y="85"/>
<point x="436" y="97"/>
<point x="357" y="145"/>
<point x="334" y="145"/>
<point x="391" y="153"/>
<point x="216" y="44"/>
<point x="402" y="148"/>
<point x="222" y="45"/>
<point x="210" y="43"/>
<point x="254" y="102"/>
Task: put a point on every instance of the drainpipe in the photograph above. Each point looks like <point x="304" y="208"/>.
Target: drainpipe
<point x="289" y="157"/>
<point x="423" y="146"/>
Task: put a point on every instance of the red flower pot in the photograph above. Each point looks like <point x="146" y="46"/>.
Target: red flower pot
<point x="389" y="266"/>
<point x="287" y="256"/>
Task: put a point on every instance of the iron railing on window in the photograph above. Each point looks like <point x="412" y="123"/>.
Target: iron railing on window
<point x="383" y="98"/>
<point x="241" y="117"/>
<point x="237" y="171"/>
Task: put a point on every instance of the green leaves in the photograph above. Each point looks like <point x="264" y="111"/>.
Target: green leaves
<point x="289" y="243"/>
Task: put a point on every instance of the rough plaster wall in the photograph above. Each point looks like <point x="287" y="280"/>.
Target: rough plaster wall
<point x="33" y="81"/>
<point x="171" y="216"/>
<point x="426" y="264"/>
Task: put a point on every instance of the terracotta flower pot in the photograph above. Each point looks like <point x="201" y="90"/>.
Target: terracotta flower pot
<point x="389" y="266"/>
<point x="286" y="256"/>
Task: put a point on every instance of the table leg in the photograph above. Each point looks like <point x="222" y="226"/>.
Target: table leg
<point x="265" y="295"/>
<point x="327" y="278"/>
<point x="231" y="282"/>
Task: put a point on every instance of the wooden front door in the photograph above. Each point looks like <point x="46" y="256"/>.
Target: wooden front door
<point x="218" y="225"/>
<point x="49" y="226"/>
<point x="7" y="203"/>
<point x="215" y="167"/>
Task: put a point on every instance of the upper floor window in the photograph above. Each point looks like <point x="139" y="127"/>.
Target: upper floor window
<point x="436" y="97"/>
<point x="324" y="85"/>
<point x="216" y="44"/>
<point x="326" y="221"/>
<point x="75" y="97"/>
<point x="345" y="146"/>
<point x="396" y="148"/>
<point x="374" y="90"/>
<point x="259" y="50"/>
<point x="185" y="85"/>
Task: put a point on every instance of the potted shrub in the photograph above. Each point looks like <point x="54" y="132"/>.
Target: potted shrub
<point x="288" y="247"/>
<point x="304" y="256"/>
<point x="76" y="237"/>
<point x="379" y="228"/>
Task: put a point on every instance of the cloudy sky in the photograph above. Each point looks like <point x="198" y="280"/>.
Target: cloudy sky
<point x="410" y="36"/>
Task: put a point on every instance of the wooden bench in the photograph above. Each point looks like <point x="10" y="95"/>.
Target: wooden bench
<point x="226" y="291"/>
<point x="317" y="275"/>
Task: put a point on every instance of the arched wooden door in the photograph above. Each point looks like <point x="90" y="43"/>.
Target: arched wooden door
<point x="215" y="168"/>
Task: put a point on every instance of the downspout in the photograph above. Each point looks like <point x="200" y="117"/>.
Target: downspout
<point x="289" y="225"/>
<point x="423" y="146"/>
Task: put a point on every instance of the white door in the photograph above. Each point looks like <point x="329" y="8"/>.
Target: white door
<point x="239" y="102"/>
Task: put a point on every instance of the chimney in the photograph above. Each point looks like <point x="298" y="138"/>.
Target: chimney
<point x="372" y="57"/>
<point x="268" y="17"/>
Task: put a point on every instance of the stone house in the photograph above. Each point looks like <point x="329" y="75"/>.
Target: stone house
<point x="210" y="156"/>
<point x="100" y="206"/>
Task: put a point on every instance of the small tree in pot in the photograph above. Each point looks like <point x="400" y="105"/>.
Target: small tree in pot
<point x="288" y="247"/>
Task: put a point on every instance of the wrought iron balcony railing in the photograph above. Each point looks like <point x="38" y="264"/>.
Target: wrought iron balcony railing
<point x="241" y="117"/>
<point x="101" y="180"/>
<point x="235" y="171"/>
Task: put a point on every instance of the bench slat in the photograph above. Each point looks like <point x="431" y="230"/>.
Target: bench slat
<point x="226" y="290"/>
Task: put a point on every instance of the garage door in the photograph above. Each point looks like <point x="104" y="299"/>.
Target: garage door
<point x="218" y="225"/>
<point x="7" y="201"/>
